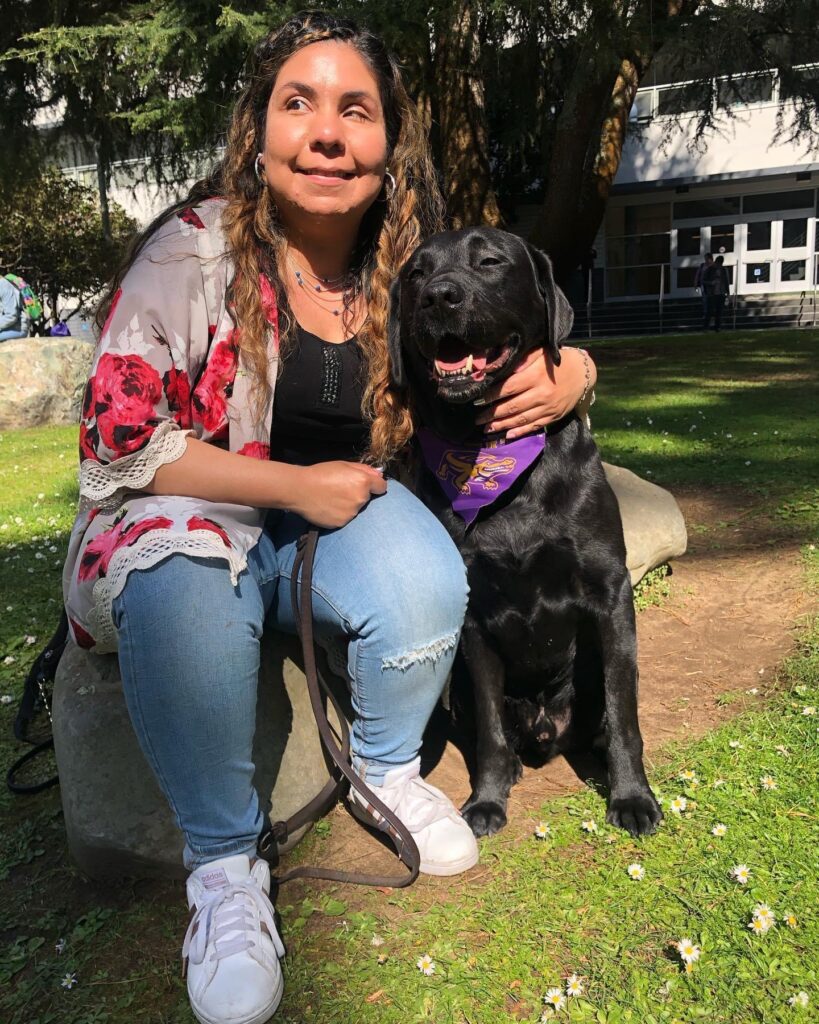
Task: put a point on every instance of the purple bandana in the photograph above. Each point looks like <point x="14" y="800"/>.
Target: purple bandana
<point x="471" y="476"/>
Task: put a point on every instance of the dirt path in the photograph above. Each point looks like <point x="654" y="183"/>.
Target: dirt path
<point x="736" y="598"/>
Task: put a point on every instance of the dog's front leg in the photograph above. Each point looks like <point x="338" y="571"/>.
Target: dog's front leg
<point x="632" y="805"/>
<point x="498" y="768"/>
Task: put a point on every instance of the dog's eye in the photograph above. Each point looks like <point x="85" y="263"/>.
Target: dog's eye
<point x="415" y="273"/>
<point x="490" y="261"/>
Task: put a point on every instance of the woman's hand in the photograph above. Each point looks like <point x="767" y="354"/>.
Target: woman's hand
<point x="333" y="493"/>
<point x="537" y="393"/>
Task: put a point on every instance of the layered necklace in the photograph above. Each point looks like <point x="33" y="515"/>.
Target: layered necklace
<point x="328" y="293"/>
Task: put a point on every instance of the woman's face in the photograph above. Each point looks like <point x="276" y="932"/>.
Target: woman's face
<point x="325" y="147"/>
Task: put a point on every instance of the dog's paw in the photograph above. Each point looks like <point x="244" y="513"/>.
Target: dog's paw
<point x="639" y="814"/>
<point x="484" y="817"/>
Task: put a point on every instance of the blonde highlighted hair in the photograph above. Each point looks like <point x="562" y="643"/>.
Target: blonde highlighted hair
<point x="390" y="231"/>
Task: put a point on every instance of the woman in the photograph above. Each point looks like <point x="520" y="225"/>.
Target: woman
<point x="195" y="485"/>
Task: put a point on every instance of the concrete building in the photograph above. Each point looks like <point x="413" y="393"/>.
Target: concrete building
<point x="738" y="192"/>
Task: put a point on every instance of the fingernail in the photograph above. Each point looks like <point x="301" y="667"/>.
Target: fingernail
<point x="479" y="401"/>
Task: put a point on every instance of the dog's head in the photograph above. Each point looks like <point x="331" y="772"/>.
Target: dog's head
<point x="467" y="306"/>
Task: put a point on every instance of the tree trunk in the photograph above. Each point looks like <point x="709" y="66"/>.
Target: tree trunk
<point x="585" y="157"/>
<point x="462" y="117"/>
<point x="103" y="179"/>
<point x="591" y="131"/>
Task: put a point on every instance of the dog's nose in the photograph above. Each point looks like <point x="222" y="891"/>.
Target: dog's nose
<point x="442" y="295"/>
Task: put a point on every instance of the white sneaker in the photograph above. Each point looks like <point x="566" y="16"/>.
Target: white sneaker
<point x="232" y="948"/>
<point x="445" y="841"/>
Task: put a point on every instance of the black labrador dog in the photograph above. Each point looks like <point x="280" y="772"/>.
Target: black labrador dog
<point x="549" y="641"/>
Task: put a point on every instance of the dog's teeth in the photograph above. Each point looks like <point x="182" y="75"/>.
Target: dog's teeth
<point x="469" y="363"/>
<point x="438" y="368"/>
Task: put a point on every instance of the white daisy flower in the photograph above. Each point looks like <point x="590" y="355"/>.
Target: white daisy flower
<point x="425" y="964"/>
<point x="678" y="805"/>
<point x="767" y="782"/>
<point x="800" y="999"/>
<point x="809" y="711"/>
<point x="801" y="689"/>
<point x="734" y="744"/>
<point x="790" y="919"/>
<point x="376" y="940"/>
<point x="719" y="830"/>
<point x="759" y="926"/>
<point x="69" y="981"/>
<point x="6" y="699"/>
<point x="689" y="953"/>
<point x="687" y="775"/>
<point x="574" y="986"/>
<point x="762" y="912"/>
<point x="555" y="998"/>
<point x="636" y="871"/>
<point x="542" y="830"/>
<point x="590" y="825"/>
<point x="59" y="947"/>
<point x="741" y="873"/>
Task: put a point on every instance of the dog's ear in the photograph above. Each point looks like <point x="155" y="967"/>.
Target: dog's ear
<point x="399" y="377"/>
<point x="559" y="314"/>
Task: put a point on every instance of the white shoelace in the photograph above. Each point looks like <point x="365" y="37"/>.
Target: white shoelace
<point x="418" y="804"/>
<point x="226" y="919"/>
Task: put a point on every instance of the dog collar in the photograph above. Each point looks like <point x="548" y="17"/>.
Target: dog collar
<point x="472" y="476"/>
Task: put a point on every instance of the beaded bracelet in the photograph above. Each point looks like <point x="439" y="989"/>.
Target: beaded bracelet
<point x="587" y="369"/>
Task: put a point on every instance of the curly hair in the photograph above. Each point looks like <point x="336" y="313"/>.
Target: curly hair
<point x="389" y="232"/>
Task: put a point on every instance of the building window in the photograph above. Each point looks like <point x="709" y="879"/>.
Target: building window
<point x="636" y="250"/>
<point x="770" y="202"/>
<point x="681" y="99"/>
<point x="722" y="238"/>
<point x="759" y="235"/>
<point x="689" y="241"/>
<point x="636" y="281"/>
<point x="739" y="92"/>
<point x="715" y="206"/>
<point x="686" y="277"/>
<point x="757" y="273"/>
<point x="792" y="270"/>
<point x="795" y="233"/>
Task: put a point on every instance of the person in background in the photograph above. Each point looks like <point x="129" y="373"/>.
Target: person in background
<point x="699" y="282"/>
<point x="13" y="318"/>
<point x="717" y="286"/>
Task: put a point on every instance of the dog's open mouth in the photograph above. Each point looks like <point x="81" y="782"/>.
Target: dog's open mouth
<point x="455" y="361"/>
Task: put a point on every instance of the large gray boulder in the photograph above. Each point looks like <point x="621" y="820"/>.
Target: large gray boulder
<point x="42" y="381"/>
<point x="653" y="525"/>
<point x="117" y="820"/>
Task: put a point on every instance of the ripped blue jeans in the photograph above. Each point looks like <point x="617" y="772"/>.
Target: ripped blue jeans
<point x="390" y="586"/>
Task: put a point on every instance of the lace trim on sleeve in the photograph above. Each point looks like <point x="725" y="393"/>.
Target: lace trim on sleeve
<point x="103" y="486"/>
<point x="154" y="547"/>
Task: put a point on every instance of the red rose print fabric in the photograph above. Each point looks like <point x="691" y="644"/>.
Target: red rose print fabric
<point x="102" y="548"/>
<point x="165" y="367"/>
<point x="200" y="523"/>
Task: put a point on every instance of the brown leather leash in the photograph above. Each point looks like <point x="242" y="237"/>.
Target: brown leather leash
<point x="381" y="817"/>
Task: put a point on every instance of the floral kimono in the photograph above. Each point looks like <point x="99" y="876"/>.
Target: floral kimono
<point x="167" y="365"/>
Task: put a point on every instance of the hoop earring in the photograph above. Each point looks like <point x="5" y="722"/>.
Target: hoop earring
<point x="389" y="192"/>
<point x="258" y="166"/>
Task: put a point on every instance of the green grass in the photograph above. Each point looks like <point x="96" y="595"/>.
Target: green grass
<point x="549" y="908"/>
<point x="539" y="910"/>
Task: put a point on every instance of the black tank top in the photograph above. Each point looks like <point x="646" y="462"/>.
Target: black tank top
<point x="317" y="406"/>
